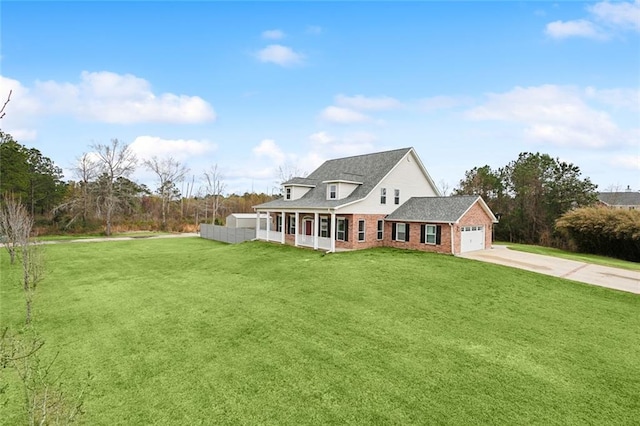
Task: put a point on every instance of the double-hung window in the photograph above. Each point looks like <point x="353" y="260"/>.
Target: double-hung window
<point x="287" y="193"/>
<point x="278" y="223"/>
<point x="430" y="234"/>
<point x="380" y="229"/>
<point x="396" y="198"/>
<point x="361" y="232"/>
<point x="401" y="232"/>
<point x="292" y="225"/>
<point x="324" y="227"/>
<point x="383" y="195"/>
<point x="333" y="192"/>
<point x="341" y="230"/>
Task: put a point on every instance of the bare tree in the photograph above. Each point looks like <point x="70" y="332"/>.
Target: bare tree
<point x="169" y="171"/>
<point x="10" y="212"/>
<point x="114" y="160"/>
<point x="2" y="112"/>
<point x="443" y="186"/>
<point x="17" y="224"/>
<point x="214" y="186"/>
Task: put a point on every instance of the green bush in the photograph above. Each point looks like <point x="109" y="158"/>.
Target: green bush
<point x="610" y="232"/>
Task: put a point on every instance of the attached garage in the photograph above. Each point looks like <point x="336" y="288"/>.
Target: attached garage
<point x="472" y="238"/>
<point x="453" y="225"/>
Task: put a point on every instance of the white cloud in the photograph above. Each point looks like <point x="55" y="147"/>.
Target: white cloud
<point x="361" y="102"/>
<point x="280" y="55"/>
<point x="146" y="147"/>
<point x="321" y="138"/>
<point x="273" y="34"/>
<point x="577" y="28"/>
<point x="341" y="115"/>
<point x="618" y="98"/>
<point x="552" y="114"/>
<point x="111" y="98"/>
<point x="631" y="162"/>
<point x="619" y="14"/>
<point x="612" y="17"/>
<point x="269" y="149"/>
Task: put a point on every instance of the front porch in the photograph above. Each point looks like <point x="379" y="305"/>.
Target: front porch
<point x="316" y="230"/>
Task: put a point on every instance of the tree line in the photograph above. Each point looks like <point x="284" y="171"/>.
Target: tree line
<point x="102" y="194"/>
<point x="529" y="195"/>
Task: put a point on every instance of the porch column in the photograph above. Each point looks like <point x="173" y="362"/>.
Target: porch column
<point x="295" y="228"/>
<point x="283" y="223"/>
<point x="333" y="232"/>
<point x="316" y="229"/>
<point x="258" y="225"/>
<point x="268" y="224"/>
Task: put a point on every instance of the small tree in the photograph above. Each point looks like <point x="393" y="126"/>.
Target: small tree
<point x="17" y="224"/>
<point x="214" y="187"/>
<point x="114" y="161"/>
<point x="169" y="171"/>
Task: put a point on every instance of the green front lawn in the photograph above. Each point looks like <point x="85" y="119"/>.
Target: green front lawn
<point x="579" y="257"/>
<point x="190" y="331"/>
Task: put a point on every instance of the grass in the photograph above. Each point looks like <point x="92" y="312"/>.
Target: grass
<point x="190" y="331"/>
<point x="580" y="257"/>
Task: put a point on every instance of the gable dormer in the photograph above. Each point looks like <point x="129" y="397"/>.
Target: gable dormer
<point x="337" y="189"/>
<point x="296" y="188"/>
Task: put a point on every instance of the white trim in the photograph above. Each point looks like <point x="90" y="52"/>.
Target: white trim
<point x="333" y="232"/>
<point x="316" y="229"/>
<point x="342" y="181"/>
<point x="295" y="229"/>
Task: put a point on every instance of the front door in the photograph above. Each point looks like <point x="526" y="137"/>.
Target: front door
<point x="308" y="227"/>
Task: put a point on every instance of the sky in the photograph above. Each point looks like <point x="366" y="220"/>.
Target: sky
<point x="254" y="86"/>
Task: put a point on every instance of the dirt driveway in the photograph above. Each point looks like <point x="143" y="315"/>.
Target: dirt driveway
<point x="604" y="276"/>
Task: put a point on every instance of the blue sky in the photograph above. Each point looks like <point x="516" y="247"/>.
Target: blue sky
<point x="251" y="86"/>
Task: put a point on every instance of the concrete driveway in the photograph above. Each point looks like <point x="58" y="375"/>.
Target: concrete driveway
<point x="604" y="276"/>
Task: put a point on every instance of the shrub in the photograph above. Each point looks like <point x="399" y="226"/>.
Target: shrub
<point x="598" y="230"/>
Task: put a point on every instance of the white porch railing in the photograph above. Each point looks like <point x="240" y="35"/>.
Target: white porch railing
<point x="261" y="234"/>
<point x="305" y="240"/>
<point x="324" y="243"/>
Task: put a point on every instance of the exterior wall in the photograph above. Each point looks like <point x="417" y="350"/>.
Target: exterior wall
<point x="475" y="216"/>
<point x="298" y="191"/>
<point x="370" y="232"/>
<point x="407" y="176"/>
<point x="414" y="238"/>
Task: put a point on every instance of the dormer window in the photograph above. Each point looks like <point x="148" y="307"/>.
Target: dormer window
<point x="333" y="192"/>
<point x="287" y="193"/>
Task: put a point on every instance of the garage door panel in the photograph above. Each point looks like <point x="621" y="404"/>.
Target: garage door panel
<point x="472" y="238"/>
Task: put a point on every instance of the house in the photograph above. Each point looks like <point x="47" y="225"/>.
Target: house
<point x="373" y="200"/>
<point x="628" y="199"/>
<point x="243" y="220"/>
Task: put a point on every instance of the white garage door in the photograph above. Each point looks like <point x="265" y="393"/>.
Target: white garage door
<point x="472" y="238"/>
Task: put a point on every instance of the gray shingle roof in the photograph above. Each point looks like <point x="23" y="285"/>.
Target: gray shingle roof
<point x="433" y="209"/>
<point x="368" y="169"/>
<point x="301" y="181"/>
<point x="627" y="198"/>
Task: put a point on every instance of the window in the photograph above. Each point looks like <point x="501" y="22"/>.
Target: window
<point x="333" y="192"/>
<point x="380" y="229"/>
<point x="430" y="234"/>
<point x="324" y="227"/>
<point x="396" y="198"/>
<point x="279" y="223"/>
<point x="341" y="231"/>
<point x="288" y="193"/>
<point x="383" y="195"/>
<point x="292" y="225"/>
<point x="401" y="231"/>
<point x="361" y="232"/>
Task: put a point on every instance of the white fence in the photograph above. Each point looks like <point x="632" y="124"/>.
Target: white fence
<point x="226" y="235"/>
